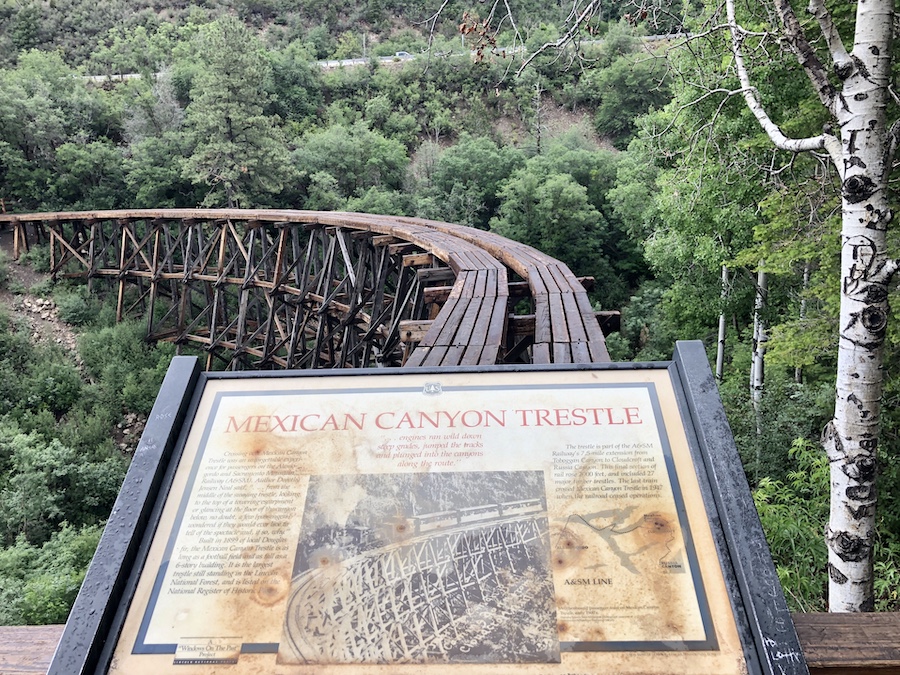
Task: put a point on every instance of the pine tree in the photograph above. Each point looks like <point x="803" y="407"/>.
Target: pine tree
<point x="239" y="152"/>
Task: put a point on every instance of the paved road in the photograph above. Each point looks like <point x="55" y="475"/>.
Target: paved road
<point x="399" y="57"/>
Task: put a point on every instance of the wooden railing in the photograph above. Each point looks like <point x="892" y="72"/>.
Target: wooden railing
<point x="834" y="644"/>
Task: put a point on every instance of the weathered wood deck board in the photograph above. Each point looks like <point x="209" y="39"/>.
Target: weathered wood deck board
<point x="574" y="321"/>
<point x="543" y="332"/>
<point x="581" y="353"/>
<point x="541" y="352"/>
<point x="850" y="644"/>
<point x="558" y="324"/>
<point x="561" y="352"/>
<point x="451" y="323"/>
<point x="465" y="333"/>
<point x="27" y="649"/>
<point x="532" y="275"/>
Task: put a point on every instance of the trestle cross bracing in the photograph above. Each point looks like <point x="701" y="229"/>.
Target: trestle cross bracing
<point x="304" y="289"/>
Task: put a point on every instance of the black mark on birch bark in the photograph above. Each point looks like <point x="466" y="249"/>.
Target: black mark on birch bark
<point x="860" y="492"/>
<point x="857" y="189"/>
<point x="836" y="575"/>
<point x="876" y="293"/>
<point x="872" y="341"/>
<point x="831" y="441"/>
<point x="875" y="320"/>
<point x="860" y="67"/>
<point x="849" y="547"/>
<point x="863" y="252"/>
<point x="843" y="70"/>
<point x="861" y="469"/>
<point x="854" y="399"/>
<point x="861" y="511"/>
<point x="869" y="444"/>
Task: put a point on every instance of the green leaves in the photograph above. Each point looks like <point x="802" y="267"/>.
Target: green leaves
<point x="38" y="584"/>
<point x="466" y="177"/>
<point x="239" y="152"/>
<point x="792" y="513"/>
<point x="629" y="87"/>
<point x="346" y="161"/>
<point x="91" y="177"/>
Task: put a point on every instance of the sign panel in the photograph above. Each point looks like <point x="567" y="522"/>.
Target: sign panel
<point x="539" y="521"/>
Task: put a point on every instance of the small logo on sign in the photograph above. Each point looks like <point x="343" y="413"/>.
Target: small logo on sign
<point x="432" y="388"/>
<point x="194" y="651"/>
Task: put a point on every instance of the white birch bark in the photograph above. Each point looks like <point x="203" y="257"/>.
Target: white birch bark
<point x="720" y="344"/>
<point x="798" y="371"/>
<point x="760" y="337"/>
<point x="862" y="158"/>
<point x="851" y="439"/>
<point x="758" y="365"/>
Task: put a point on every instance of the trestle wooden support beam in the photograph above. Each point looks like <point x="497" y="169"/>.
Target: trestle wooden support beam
<point x="305" y="289"/>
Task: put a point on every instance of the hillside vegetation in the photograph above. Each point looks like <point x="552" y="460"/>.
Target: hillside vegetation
<point x="609" y="162"/>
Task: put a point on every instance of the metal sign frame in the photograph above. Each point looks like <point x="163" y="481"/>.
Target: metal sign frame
<point x="766" y="638"/>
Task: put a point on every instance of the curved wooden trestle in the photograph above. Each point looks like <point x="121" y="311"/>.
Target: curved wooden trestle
<point x="307" y="289"/>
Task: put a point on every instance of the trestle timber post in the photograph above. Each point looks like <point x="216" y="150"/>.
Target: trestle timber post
<point x="305" y="289"/>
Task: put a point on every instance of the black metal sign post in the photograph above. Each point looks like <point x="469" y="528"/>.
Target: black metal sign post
<point x="573" y="519"/>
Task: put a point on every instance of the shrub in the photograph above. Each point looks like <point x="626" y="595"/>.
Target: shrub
<point x="38" y="584"/>
<point x="792" y="514"/>
<point x="76" y="306"/>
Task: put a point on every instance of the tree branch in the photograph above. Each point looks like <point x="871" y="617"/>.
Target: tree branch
<point x="889" y="270"/>
<point x="512" y="22"/>
<point x="805" y="54"/>
<point x="893" y="140"/>
<point x="586" y="14"/>
<point x="751" y="98"/>
<point x="433" y="19"/>
<point x="842" y="61"/>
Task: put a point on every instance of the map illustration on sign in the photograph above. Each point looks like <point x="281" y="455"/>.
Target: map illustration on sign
<point x="418" y="568"/>
<point x="629" y="536"/>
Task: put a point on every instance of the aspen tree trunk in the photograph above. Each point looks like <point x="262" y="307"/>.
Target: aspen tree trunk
<point x="851" y="438"/>
<point x="798" y="371"/>
<point x="862" y="156"/>
<point x="760" y="337"/>
<point x="720" y="344"/>
<point x="758" y="364"/>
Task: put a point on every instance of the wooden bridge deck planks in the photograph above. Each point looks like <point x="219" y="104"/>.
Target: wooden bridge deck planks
<point x="470" y="328"/>
<point x="572" y="329"/>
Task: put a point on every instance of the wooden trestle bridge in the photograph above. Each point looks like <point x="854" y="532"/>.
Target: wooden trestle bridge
<point x="305" y="289"/>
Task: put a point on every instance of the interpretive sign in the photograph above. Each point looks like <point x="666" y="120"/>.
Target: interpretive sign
<point x="515" y="521"/>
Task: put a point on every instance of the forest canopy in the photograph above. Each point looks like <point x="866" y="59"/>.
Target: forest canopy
<point x="614" y="157"/>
